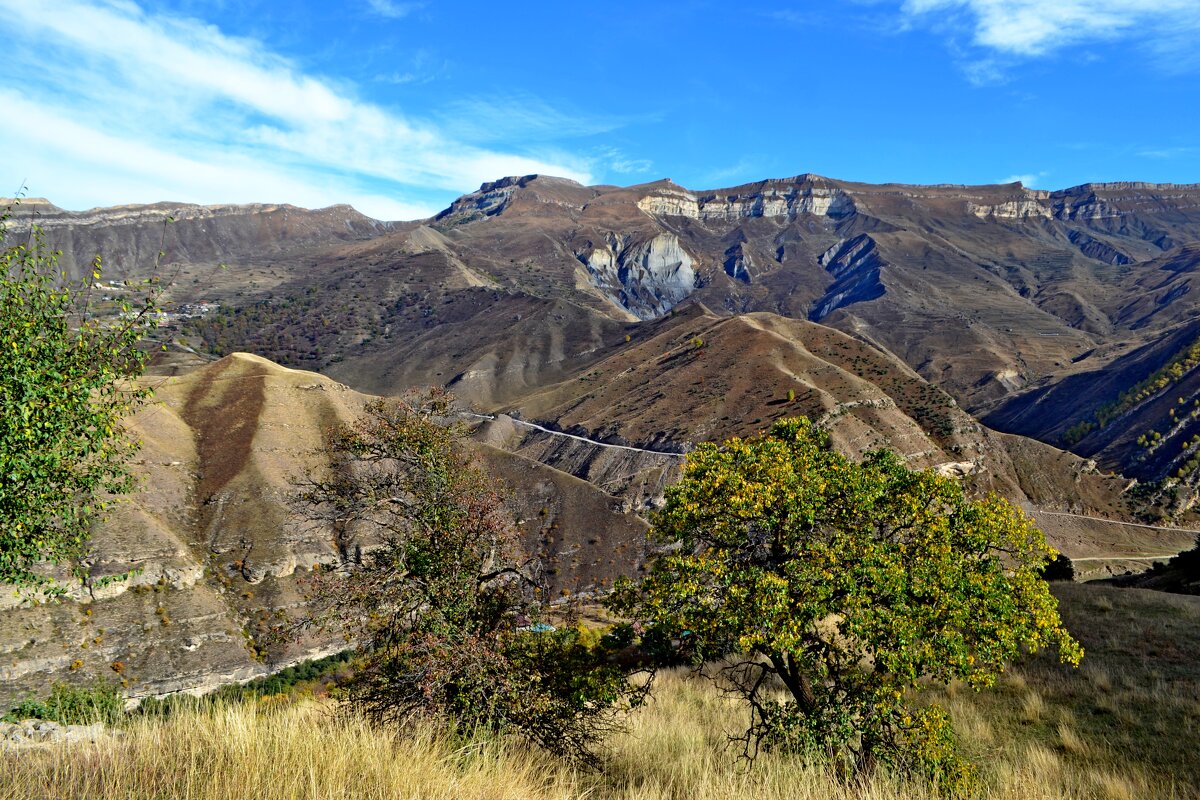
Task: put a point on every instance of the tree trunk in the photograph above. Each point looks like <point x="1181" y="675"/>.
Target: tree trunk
<point x="796" y="681"/>
<point x="865" y="761"/>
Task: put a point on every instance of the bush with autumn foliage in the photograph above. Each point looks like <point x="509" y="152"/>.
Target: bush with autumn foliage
<point x="443" y="606"/>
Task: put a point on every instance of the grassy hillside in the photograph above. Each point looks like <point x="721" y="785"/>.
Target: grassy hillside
<point x="1122" y="726"/>
<point x="1124" y="723"/>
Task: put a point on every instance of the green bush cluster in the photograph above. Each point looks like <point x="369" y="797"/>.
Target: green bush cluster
<point x="64" y="392"/>
<point x="99" y="701"/>
<point x="104" y="701"/>
<point x="301" y="679"/>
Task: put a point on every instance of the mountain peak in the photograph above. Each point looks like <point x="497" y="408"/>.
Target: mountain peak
<point x="522" y="181"/>
<point x="530" y="191"/>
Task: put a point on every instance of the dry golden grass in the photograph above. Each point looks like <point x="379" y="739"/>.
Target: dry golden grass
<point x="271" y="751"/>
<point x="1132" y="739"/>
<point x="1122" y="725"/>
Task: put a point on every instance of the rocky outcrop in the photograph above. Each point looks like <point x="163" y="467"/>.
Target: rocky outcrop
<point x="30" y="732"/>
<point x="772" y="201"/>
<point x="670" y="202"/>
<point x="647" y="278"/>
<point x="739" y="263"/>
<point x="491" y="199"/>
<point x="1091" y="202"/>
<point x="803" y="195"/>
<point x="495" y="197"/>
<point x="1024" y="208"/>
<point x="1082" y="207"/>
<point x="1098" y="250"/>
<point x="855" y="265"/>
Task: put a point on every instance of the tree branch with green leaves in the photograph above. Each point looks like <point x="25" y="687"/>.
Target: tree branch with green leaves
<point x="67" y="383"/>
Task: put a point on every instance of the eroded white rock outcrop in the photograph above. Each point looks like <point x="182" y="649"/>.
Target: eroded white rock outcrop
<point x="804" y="196"/>
<point x="671" y="203"/>
<point x="1024" y="208"/>
<point x="855" y="265"/>
<point x="647" y="277"/>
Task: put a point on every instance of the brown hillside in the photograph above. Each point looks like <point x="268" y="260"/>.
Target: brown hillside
<point x="219" y="551"/>
<point x="696" y="376"/>
<point x="989" y="292"/>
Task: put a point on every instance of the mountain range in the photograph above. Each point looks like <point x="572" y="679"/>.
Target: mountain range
<point x="1040" y="344"/>
<point x="1035" y="310"/>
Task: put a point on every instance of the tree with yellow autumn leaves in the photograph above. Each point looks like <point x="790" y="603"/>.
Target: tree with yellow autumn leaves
<point x="845" y="584"/>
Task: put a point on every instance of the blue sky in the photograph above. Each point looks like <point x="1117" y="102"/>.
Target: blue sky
<point x="398" y="107"/>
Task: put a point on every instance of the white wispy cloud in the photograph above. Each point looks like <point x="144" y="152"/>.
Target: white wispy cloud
<point x="118" y="105"/>
<point x="1028" y="179"/>
<point x="521" y="116"/>
<point x="794" y="17"/>
<point x="722" y="176"/>
<point x="1031" y="28"/>
<point x="393" y="9"/>
<point x="984" y="71"/>
<point x="421" y="66"/>
<point x="1167" y="152"/>
<point x="631" y="166"/>
<point x="622" y="163"/>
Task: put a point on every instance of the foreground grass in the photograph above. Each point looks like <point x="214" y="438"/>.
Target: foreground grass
<point x="1124" y="726"/>
<point x="275" y="750"/>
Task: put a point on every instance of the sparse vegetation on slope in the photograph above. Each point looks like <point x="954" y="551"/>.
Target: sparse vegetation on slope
<point x="1158" y="381"/>
<point x="102" y="701"/>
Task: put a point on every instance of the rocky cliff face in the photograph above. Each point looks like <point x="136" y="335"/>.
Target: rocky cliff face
<point x="130" y="237"/>
<point x="647" y="278"/>
<point x="523" y="193"/>
<point x="1091" y="202"/>
<point x="855" y="265"/>
<point x="1012" y="209"/>
<point x="804" y="194"/>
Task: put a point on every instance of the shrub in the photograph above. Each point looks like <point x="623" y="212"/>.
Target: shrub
<point x="445" y="609"/>
<point x="99" y="701"/>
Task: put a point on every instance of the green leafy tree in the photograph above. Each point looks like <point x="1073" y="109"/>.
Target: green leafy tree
<point x="435" y="592"/>
<point x="65" y="387"/>
<point x="846" y="584"/>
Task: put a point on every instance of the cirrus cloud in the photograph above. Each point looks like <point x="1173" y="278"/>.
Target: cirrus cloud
<point x="119" y="105"/>
<point x="1031" y="28"/>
